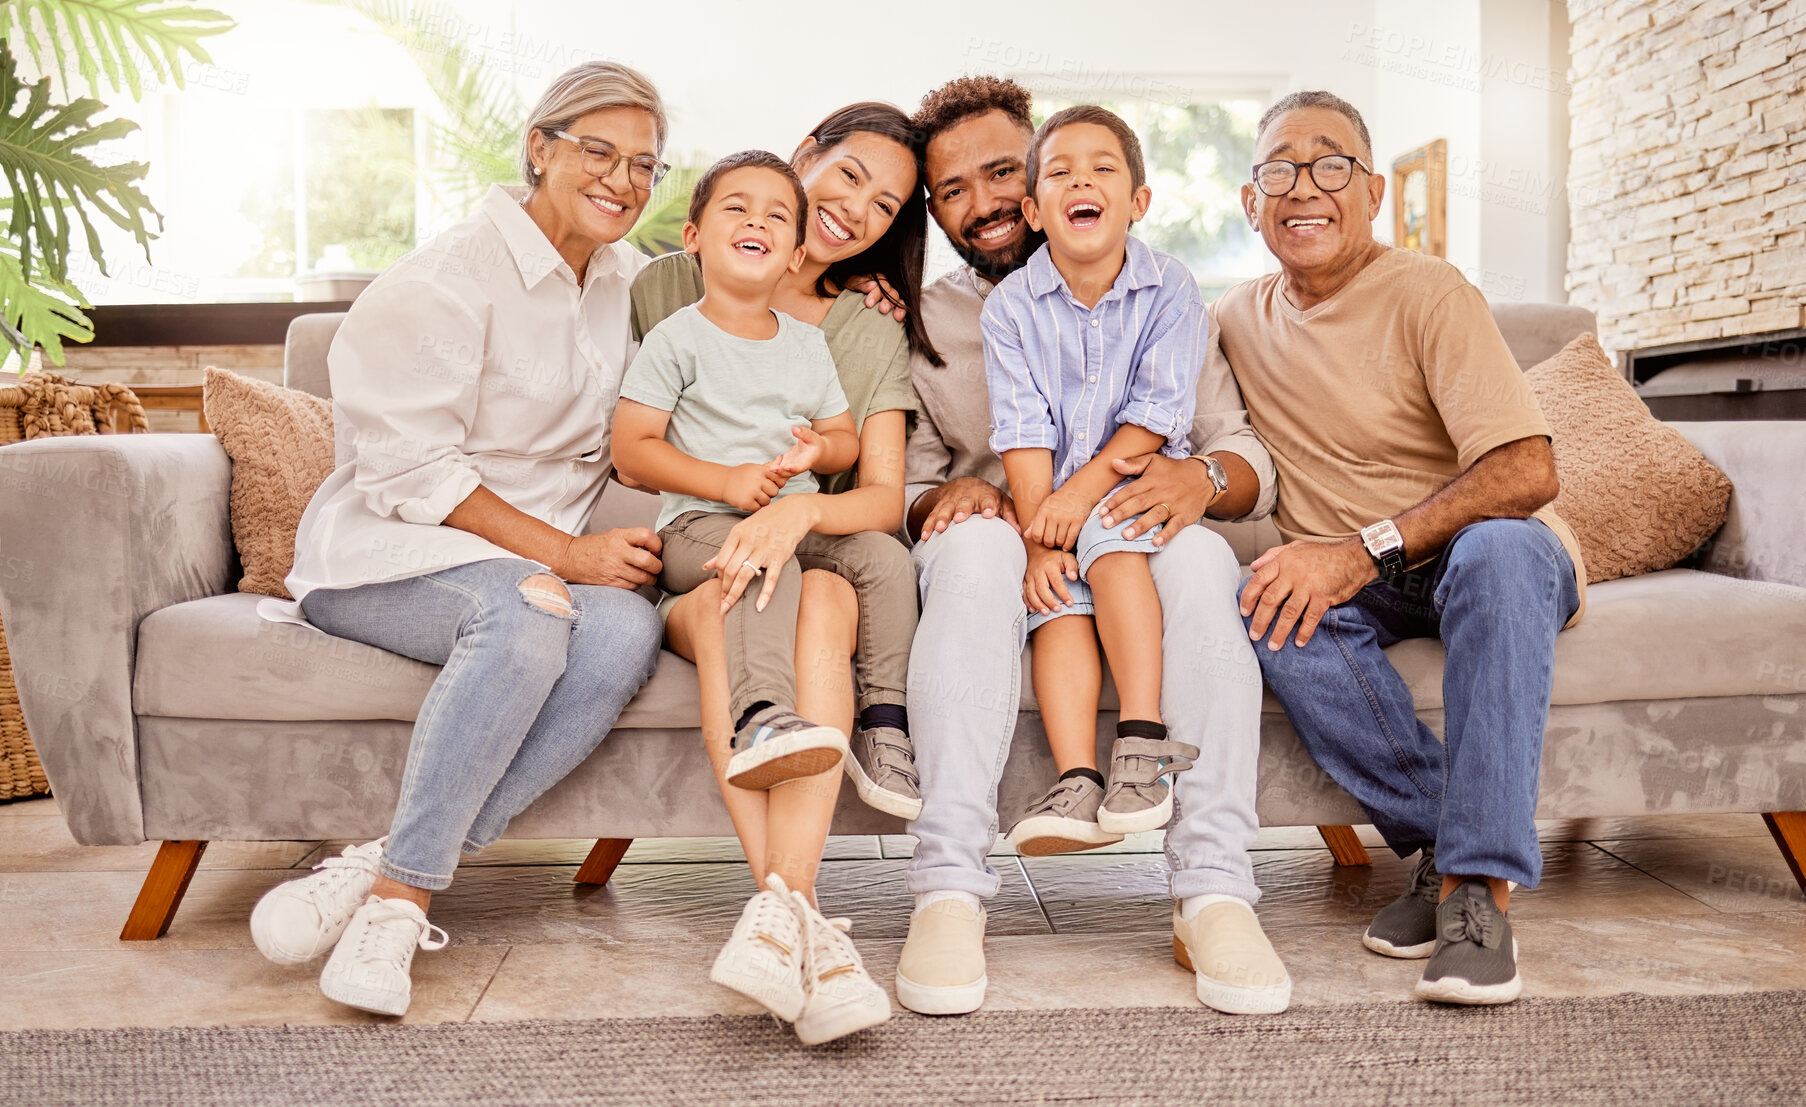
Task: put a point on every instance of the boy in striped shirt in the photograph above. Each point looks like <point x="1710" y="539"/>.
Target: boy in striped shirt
<point x="1092" y="354"/>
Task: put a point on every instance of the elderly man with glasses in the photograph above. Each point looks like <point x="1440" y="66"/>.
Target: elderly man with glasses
<point x="1415" y="477"/>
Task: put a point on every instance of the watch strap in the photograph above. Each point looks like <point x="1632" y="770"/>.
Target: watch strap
<point x="1391" y="563"/>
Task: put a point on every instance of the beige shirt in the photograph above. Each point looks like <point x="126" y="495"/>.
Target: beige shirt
<point x="476" y="359"/>
<point x="1376" y="398"/>
<point x="953" y="426"/>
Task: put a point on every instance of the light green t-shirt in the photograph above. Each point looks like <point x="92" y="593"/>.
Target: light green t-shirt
<point x="870" y="350"/>
<point x="733" y="400"/>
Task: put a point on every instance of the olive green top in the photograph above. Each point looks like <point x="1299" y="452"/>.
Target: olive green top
<point x="870" y="351"/>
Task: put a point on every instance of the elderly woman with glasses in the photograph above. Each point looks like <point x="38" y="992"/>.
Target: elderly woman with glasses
<point x="474" y="385"/>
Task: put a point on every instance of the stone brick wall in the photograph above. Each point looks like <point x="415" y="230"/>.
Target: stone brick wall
<point x="1687" y="174"/>
<point x="135" y="365"/>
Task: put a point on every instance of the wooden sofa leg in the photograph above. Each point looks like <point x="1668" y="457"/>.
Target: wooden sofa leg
<point x="602" y="859"/>
<point x="1345" y="845"/>
<point x="1789" y="829"/>
<point x="162" y="892"/>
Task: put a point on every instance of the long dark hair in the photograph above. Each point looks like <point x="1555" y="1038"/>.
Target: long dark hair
<point x="897" y="255"/>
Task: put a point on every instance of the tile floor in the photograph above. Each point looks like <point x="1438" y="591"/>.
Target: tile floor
<point x="1686" y="904"/>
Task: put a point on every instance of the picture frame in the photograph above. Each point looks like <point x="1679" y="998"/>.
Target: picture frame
<point x="1420" y="199"/>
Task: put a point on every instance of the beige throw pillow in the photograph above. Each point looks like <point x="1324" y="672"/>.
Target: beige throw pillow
<point x="280" y="443"/>
<point x="1639" y="496"/>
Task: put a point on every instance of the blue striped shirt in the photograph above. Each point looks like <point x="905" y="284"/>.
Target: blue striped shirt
<point x="1063" y="377"/>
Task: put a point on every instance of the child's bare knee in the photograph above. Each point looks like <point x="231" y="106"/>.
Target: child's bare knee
<point x="829" y="591"/>
<point x="547" y="593"/>
<point x="1117" y="562"/>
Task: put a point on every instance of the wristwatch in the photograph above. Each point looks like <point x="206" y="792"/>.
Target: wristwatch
<point x="1387" y="548"/>
<point x="1219" y="477"/>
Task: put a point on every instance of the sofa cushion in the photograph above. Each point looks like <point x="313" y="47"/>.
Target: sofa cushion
<point x="280" y="443"/>
<point x="216" y="658"/>
<point x="1537" y="332"/>
<point x="1676" y="634"/>
<point x="1670" y="635"/>
<point x="1639" y="496"/>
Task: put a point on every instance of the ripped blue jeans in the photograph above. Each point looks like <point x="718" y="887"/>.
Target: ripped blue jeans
<point x="529" y="685"/>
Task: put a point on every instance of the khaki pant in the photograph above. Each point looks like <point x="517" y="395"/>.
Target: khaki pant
<point x="761" y="645"/>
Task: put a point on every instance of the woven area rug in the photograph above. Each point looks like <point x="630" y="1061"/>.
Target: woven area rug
<point x="1646" y="1050"/>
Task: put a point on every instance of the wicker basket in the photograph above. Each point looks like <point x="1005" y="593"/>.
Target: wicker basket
<point x="43" y="405"/>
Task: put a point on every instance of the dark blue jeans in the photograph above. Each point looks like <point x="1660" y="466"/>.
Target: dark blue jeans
<point x="1496" y="597"/>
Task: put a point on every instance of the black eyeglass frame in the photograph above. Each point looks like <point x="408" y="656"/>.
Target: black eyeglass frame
<point x="598" y="149"/>
<point x="1311" y="168"/>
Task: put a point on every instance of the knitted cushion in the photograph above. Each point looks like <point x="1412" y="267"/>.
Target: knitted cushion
<point x="280" y="443"/>
<point x="1639" y="496"/>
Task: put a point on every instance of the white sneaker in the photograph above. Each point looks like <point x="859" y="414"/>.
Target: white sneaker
<point x="840" y="997"/>
<point x="300" y="920"/>
<point x="763" y="961"/>
<point x="369" y="967"/>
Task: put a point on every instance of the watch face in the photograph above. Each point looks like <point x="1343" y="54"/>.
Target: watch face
<point x="1382" y="537"/>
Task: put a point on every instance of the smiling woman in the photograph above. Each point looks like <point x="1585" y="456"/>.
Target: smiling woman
<point x="474" y="384"/>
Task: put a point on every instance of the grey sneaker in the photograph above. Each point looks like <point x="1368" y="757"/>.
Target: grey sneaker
<point x="1476" y="958"/>
<point x="1063" y="821"/>
<point x="1406" y="927"/>
<point x="777" y="745"/>
<point x="1140" y="796"/>
<point x="882" y="764"/>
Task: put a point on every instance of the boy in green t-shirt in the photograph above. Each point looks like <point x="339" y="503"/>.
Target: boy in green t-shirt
<point x="728" y="406"/>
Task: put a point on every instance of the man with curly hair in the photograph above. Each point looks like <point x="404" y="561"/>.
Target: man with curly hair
<point x="965" y="667"/>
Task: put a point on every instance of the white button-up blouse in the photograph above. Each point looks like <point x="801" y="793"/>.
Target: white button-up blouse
<point x="476" y="359"/>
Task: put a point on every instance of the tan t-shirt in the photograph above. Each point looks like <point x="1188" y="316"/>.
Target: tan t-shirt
<point x="1380" y="395"/>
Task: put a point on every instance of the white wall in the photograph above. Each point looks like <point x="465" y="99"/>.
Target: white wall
<point x="1487" y="75"/>
<point x="1490" y="77"/>
<point x="1524" y="149"/>
<point x="737" y="79"/>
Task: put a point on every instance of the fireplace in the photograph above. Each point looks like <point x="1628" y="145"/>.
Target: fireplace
<point x="1754" y="376"/>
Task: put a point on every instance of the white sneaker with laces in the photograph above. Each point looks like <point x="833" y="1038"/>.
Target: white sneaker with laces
<point x="298" y="921"/>
<point x="840" y="997"/>
<point x="763" y="960"/>
<point x="369" y="967"/>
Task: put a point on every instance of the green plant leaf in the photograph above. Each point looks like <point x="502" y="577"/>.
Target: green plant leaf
<point x="48" y="175"/>
<point x="41" y="313"/>
<point x="660" y="228"/>
<point x="116" y="40"/>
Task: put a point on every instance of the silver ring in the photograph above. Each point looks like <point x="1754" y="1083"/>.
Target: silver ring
<point x="748" y="563"/>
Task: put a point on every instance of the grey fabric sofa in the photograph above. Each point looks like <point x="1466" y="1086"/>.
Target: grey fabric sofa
<point x="165" y="709"/>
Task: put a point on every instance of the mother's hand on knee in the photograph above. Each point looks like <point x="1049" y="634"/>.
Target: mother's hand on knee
<point x="763" y="542"/>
